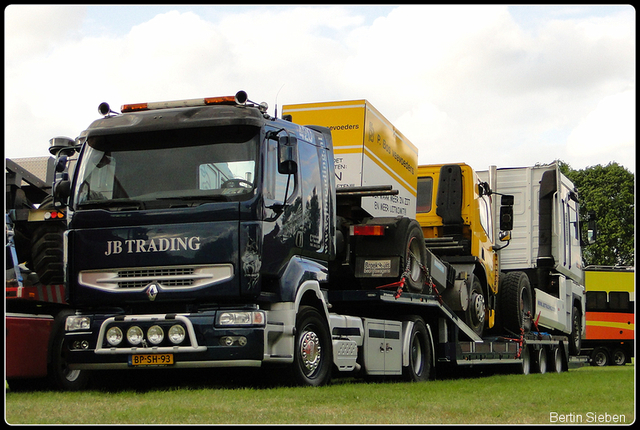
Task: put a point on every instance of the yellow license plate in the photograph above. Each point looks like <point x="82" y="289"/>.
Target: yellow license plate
<point x="150" y="359"/>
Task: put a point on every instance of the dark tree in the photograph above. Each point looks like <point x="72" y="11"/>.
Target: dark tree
<point x="609" y="192"/>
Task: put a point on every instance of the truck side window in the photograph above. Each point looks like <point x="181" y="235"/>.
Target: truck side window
<point x="484" y="207"/>
<point x="425" y="194"/>
<point x="275" y="183"/>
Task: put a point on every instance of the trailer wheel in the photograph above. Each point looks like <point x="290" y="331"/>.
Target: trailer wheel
<point x="618" y="357"/>
<point x="556" y="360"/>
<point x="600" y="357"/>
<point x="516" y="302"/>
<point x="312" y="356"/>
<point x="541" y="360"/>
<point x="420" y="354"/>
<point x="525" y="366"/>
<point x="61" y="376"/>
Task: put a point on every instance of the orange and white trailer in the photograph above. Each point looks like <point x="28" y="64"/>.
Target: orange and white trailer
<point x="610" y="318"/>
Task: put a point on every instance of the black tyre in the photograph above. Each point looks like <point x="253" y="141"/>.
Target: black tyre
<point x="313" y="356"/>
<point x="60" y="375"/>
<point x="516" y="304"/>
<point x="600" y="357"/>
<point x="47" y="252"/>
<point x="420" y="353"/>
<point x="47" y="249"/>
<point x="414" y="255"/>
<point x="475" y="313"/>
<point x="618" y="357"/>
<point x="525" y="366"/>
<point x="575" y="339"/>
<point x="541" y="362"/>
<point x="555" y="363"/>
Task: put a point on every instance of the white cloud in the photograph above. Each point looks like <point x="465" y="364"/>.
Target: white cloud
<point x="31" y="30"/>
<point x="607" y="132"/>
<point x="464" y="83"/>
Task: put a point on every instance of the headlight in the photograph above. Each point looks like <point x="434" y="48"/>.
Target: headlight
<point x="77" y="322"/>
<point x="155" y="334"/>
<point x="176" y="334"/>
<point x="114" y="336"/>
<point x="235" y="318"/>
<point x="135" y="335"/>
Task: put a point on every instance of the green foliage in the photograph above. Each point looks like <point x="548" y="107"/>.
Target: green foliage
<point x="609" y="192"/>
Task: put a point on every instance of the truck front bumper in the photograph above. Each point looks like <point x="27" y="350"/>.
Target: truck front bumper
<point x="210" y="339"/>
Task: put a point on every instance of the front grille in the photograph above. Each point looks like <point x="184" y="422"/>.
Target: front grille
<point x="179" y="277"/>
<point x="167" y="277"/>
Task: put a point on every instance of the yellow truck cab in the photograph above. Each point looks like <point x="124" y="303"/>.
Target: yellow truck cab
<point x="455" y="212"/>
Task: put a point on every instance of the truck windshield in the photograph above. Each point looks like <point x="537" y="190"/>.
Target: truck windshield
<point x="157" y="169"/>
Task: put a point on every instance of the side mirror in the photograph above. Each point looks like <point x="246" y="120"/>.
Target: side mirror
<point x="592" y="232"/>
<point x="288" y="155"/>
<point x="506" y="213"/>
<point x="61" y="192"/>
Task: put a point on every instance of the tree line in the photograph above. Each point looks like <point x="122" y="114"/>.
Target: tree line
<point x="609" y="192"/>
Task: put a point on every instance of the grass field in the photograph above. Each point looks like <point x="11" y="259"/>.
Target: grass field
<point x="583" y="395"/>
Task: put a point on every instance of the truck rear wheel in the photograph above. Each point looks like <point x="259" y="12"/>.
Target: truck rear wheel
<point x="575" y="339"/>
<point x="312" y="359"/>
<point x="414" y="255"/>
<point x="420" y="353"/>
<point x="516" y="302"/>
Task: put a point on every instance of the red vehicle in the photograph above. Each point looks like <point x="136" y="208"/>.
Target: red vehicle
<point x="34" y="290"/>
<point x="610" y="315"/>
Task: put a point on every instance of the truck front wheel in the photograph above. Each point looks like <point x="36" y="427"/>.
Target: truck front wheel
<point x="60" y="375"/>
<point x="312" y="356"/>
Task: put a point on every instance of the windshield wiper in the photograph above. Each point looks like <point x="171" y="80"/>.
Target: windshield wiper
<point x="115" y="204"/>
<point x="207" y="198"/>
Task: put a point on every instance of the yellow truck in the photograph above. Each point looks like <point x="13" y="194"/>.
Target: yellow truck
<point x="368" y="151"/>
<point x="455" y="211"/>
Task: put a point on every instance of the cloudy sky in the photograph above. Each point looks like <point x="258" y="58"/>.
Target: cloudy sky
<point x="487" y="85"/>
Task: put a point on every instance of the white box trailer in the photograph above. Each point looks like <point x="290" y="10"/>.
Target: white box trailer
<point x="368" y="151"/>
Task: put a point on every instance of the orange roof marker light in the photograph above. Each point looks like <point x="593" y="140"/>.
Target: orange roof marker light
<point x="240" y="99"/>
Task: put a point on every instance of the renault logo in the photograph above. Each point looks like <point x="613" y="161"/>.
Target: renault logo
<point x="152" y="291"/>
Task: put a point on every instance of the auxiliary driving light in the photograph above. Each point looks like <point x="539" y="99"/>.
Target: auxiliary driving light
<point x="233" y="341"/>
<point x="114" y="336"/>
<point x="135" y="335"/>
<point x="155" y="334"/>
<point x="176" y="334"/>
